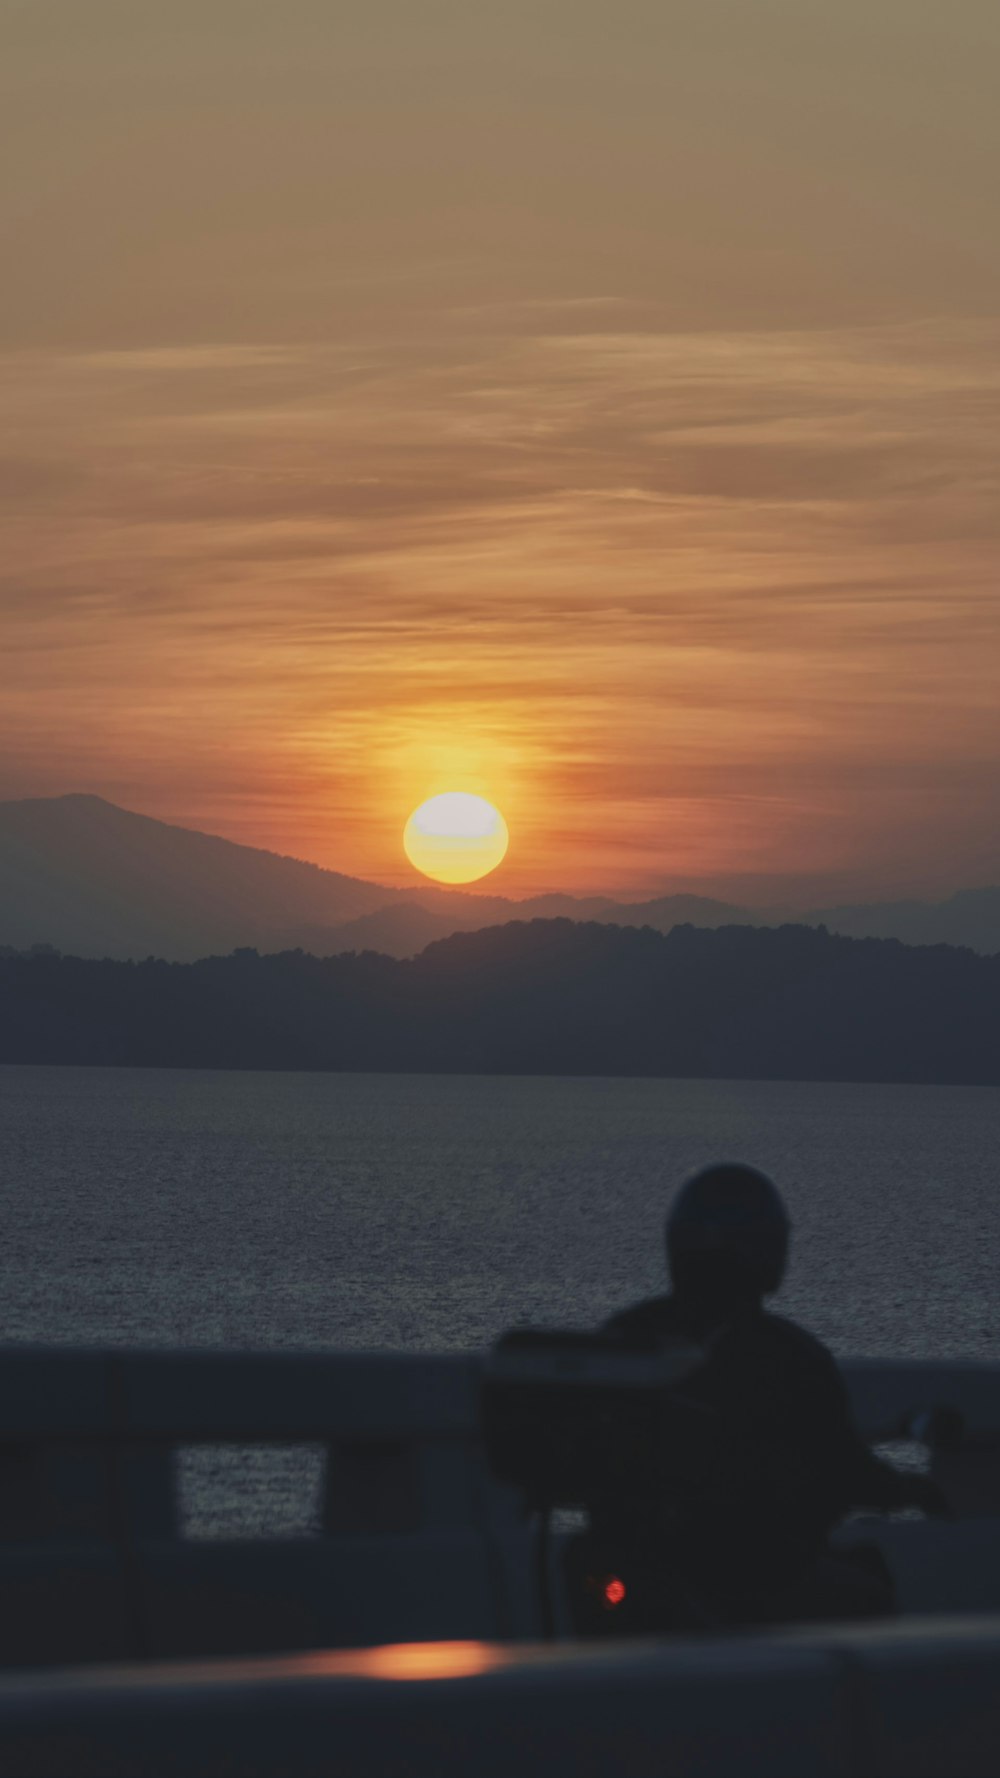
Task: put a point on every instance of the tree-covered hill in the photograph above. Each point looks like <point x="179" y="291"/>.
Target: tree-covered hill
<point x="549" y="996"/>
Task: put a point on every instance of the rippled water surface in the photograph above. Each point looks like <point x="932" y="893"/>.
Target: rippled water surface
<point x="408" y="1211"/>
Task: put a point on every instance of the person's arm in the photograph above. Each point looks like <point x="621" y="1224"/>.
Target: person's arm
<point x="860" y="1478"/>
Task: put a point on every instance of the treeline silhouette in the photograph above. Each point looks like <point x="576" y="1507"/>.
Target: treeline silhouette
<point x="546" y="997"/>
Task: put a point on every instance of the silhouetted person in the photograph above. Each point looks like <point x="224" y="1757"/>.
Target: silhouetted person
<point x="739" y="1532"/>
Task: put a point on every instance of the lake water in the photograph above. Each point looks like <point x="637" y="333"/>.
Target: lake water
<point x="312" y="1210"/>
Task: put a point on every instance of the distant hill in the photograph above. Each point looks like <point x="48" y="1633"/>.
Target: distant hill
<point x="80" y="874"/>
<point x="404" y="929"/>
<point x="548" y="996"/>
<point x="971" y="917"/>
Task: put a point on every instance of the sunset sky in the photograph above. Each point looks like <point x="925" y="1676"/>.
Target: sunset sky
<point x="592" y="406"/>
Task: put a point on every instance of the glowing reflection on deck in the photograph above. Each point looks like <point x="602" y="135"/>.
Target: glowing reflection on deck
<point x="406" y="1660"/>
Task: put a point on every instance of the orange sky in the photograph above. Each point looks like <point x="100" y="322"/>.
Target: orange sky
<point x="595" y="407"/>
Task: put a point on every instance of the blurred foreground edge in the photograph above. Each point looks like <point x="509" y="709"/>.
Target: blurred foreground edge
<point x="919" y="1699"/>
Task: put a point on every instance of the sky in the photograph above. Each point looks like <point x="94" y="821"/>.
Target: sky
<point x="590" y="406"/>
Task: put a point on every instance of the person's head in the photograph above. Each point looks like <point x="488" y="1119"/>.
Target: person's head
<point x="727" y="1236"/>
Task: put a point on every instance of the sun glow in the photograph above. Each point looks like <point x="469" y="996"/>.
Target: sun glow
<point x="456" y="837"/>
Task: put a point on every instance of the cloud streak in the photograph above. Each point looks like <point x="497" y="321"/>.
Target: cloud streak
<point x="743" y="583"/>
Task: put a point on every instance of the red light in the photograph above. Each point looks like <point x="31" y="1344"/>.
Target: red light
<point x="613" y="1591"/>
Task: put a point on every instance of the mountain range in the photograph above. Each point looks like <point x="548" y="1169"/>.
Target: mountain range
<point x="89" y="878"/>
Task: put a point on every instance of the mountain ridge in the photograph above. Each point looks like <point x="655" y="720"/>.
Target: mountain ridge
<point x="85" y="876"/>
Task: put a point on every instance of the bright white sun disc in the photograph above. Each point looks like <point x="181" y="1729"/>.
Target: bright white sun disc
<point x="455" y="837"/>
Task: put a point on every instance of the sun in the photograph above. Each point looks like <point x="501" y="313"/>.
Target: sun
<point x="455" y="837"/>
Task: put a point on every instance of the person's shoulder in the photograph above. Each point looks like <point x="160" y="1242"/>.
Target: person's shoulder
<point x="797" y="1342"/>
<point x="641" y="1322"/>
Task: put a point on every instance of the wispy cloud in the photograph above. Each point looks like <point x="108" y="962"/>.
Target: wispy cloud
<point x="745" y="580"/>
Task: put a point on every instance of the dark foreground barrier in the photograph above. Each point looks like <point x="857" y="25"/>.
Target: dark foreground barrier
<point x="918" y="1702"/>
<point x="415" y="1541"/>
<point x="417" y="1546"/>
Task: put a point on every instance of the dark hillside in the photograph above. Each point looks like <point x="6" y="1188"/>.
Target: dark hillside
<point x="79" y="873"/>
<point x="543" y="997"/>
